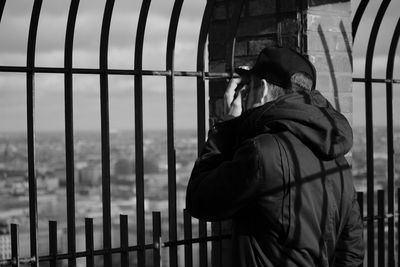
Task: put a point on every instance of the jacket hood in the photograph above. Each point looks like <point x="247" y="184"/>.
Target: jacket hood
<point x="310" y="117"/>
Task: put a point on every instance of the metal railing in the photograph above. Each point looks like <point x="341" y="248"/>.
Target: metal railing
<point x="104" y="72"/>
<point x="383" y="217"/>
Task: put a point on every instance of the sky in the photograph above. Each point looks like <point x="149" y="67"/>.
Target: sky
<point x="50" y="44"/>
<point x="379" y="64"/>
<point x="49" y="96"/>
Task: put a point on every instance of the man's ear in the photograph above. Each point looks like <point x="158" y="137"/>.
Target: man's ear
<point x="265" y="90"/>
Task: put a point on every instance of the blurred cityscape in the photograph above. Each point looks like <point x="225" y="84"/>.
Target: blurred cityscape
<point x="51" y="180"/>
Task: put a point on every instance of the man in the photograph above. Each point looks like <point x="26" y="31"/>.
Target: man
<point x="276" y="167"/>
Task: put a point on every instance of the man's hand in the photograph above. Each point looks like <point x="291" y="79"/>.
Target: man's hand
<point x="233" y="99"/>
<point x="239" y="96"/>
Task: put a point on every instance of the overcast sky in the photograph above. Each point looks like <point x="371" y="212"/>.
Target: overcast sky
<point x="50" y="45"/>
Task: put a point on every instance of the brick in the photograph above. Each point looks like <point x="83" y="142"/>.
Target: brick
<point x="326" y="84"/>
<point x="217" y="88"/>
<point x="328" y="22"/>
<point x="216" y="51"/>
<point x="218" y="32"/>
<point x="255" y="46"/>
<point x="261" y="7"/>
<point x="257" y="28"/>
<point x="288" y="25"/>
<point x="289" y="41"/>
<point x="218" y="107"/>
<point x="346" y="103"/>
<point x="345" y="82"/>
<point x="231" y="6"/>
<point x="254" y="26"/>
<point x="241" y="48"/>
<point x="217" y="66"/>
<point x="330" y="41"/>
<point x="335" y="62"/>
<point x="219" y="13"/>
<point x="326" y="6"/>
<point x="288" y="5"/>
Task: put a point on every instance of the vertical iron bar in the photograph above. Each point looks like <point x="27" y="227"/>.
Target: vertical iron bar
<point x="89" y="242"/>
<point x="201" y="127"/>
<point x="69" y="130"/>
<point x="217" y="245"/>
<point x="370" y="129"/>
<point x="390" y="144"/>
<point x="140" y="217"/>
<point x="360" y="200"/>
<point x="358" y="15"/>
<point x="203" y="250"/>
<point x="2" y="4"/>
<point x="231" y="38"/>
<point x="398" y="227"/>
<point x="123" y="222"/>
<point x="30" y="96"/>
<point x="172" y="213"/>
<point x="105" y="130"/>
<point x="53" y="243"/>
<point x="157" y="239"/>
<point x="14" y="245"/>
<point x="381" y="228"/>
<point x="187" y="226"/>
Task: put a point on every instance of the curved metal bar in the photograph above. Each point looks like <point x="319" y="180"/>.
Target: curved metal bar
<point x="201" y="112"/>
<point x="105" y="130"/>
<point x="358" y="15"/>
<point x="390" y="144"/>
<point x="231" y="38"/>
<point x="139" y="154"/>
<point x="172" y="213"/>
<point x="2" y="4"/>
<point x="30" y="109"/>
<point x="69" y="129"/>
<point x="370" y="129"/>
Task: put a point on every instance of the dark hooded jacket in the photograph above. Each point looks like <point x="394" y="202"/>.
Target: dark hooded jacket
<point x="279" y="172"/>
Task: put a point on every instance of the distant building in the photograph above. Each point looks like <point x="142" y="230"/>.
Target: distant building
<point x="90" y="175"/>
<point x="5" y="247"/>
<point x="48" y="182"/>
<point x="60" y="173"/>
<point x="5" y="242"/>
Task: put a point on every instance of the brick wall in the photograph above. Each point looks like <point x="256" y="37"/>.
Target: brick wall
<point x="262" y="23"/>
<point x="321" y="29"/>
<point x="329" y="42"/>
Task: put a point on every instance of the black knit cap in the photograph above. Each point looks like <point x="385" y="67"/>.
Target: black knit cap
<point x="277" y="65"/>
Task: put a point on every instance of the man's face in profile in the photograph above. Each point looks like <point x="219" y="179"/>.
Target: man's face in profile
<point x="253" y="91"/>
